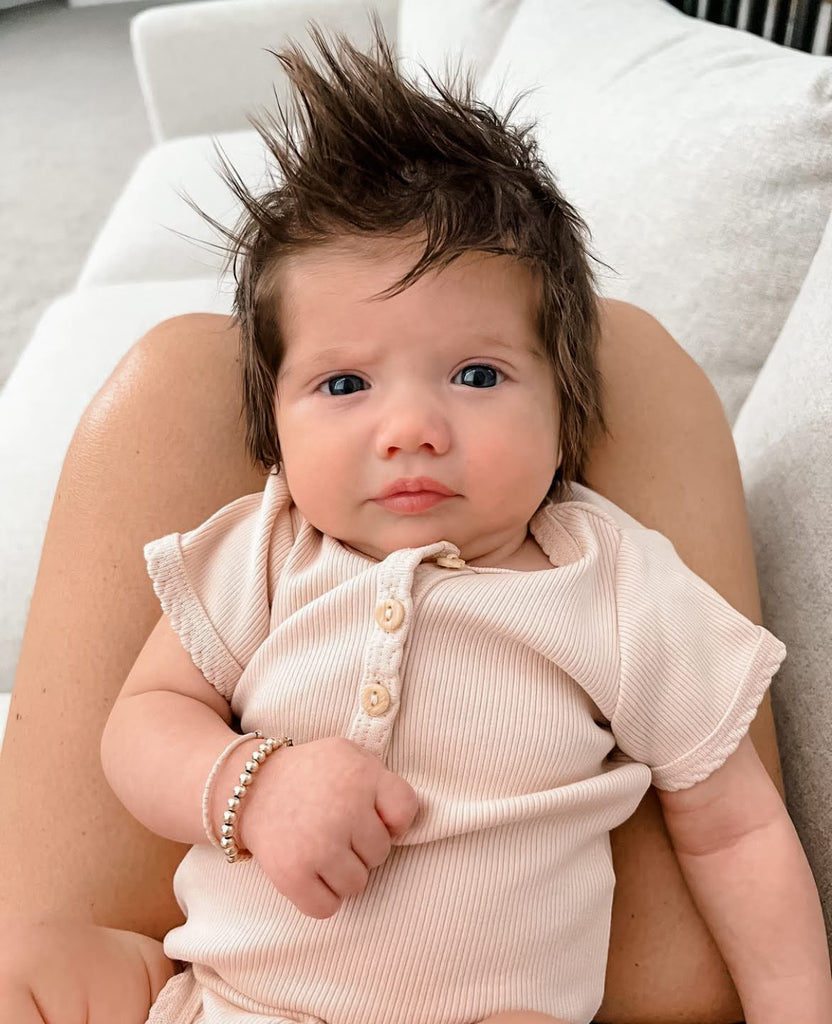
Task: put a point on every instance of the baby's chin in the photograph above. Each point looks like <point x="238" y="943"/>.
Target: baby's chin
<point x="372" y="548"/>
<point x="410" y="532"/>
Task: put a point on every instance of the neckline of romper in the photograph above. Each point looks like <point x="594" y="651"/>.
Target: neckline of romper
<point x="401" y="582"/>
<point x="555" y="540"/>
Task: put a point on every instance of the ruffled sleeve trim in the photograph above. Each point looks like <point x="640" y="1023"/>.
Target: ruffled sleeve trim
<point x="166" y="568"/>
<point x="697" y="764"/>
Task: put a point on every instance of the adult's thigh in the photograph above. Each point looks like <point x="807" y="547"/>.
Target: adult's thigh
<point x="669" y="460"/>
<point x="159" y="449"/>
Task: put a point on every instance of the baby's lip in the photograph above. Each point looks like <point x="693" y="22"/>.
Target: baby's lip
<point x="414" y="485"/>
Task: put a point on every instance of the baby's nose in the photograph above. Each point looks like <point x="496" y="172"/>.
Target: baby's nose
<point x="412" y="426"/>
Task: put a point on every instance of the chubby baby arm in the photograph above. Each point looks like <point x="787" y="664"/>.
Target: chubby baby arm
<point x="318" y="818"/>
<point x="749" y="876"/>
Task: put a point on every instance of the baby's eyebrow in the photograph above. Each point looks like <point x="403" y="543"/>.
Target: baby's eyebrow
<point x="340" y="355"/>
<point x="492" y="341"/>
<point x="320" y="359"/>
<point x="528" y="346"/>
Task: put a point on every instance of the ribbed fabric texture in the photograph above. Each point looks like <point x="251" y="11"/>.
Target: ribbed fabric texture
<point x="529" y="710"/>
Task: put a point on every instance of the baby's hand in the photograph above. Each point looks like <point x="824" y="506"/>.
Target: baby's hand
<point x="322" y="815"/>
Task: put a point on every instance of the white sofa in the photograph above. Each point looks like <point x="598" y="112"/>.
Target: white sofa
<point x="701" y="157"/>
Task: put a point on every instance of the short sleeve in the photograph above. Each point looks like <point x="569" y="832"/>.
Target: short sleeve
<point x="693" y="670"/>
<point x="215" y="582"/>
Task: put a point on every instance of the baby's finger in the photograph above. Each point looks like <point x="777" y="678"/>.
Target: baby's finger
<point x="371" y="840"/>
<point x="346" y="876"/>
<point x="315" y="899"/>
<point x="396" y="803"/>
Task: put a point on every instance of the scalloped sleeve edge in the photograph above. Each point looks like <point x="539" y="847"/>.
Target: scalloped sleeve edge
<point x="713" y="751"/>
<point x="188" y="618"/>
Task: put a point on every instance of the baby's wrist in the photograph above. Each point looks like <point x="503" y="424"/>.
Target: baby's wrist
<point x="228" y="791"/>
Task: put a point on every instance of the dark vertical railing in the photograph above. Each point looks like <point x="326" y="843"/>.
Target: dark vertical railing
<point x="723" y="12"/>
<point x="756" y="16"/>
<point x="782" y="10"/>
<point x="805" y="25"/>
<point x="802" y="15"/>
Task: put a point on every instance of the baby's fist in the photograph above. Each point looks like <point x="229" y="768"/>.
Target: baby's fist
<point x="321" y="816"/>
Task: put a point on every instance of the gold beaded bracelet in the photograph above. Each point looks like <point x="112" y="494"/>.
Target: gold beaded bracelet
<point x="228" y="843"/>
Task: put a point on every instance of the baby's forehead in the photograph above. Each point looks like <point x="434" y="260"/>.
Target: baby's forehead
<point x="345" y="294"/>
<point x="375" y="266"/>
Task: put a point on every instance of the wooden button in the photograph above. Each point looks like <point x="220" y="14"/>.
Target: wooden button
<point x="375" y="699"/>
<point x="450" y="561"/>
<point x="390" y="614"/>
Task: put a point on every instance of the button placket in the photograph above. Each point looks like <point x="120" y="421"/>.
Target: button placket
<point x="380" y="686"/>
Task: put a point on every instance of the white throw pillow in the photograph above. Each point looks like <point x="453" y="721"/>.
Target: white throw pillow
<point x="700" y="155"/>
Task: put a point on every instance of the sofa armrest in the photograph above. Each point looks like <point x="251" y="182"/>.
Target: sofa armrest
<point x="203" y="66"/>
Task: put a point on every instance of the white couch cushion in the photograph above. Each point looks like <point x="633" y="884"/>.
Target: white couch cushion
<point x="436" y="34"/>
<point x="784" y="440"/>
<point x="5" y="700"/>
<point x="78" y="342"/>
<point x="142" y="239"/>
<point x="203" y="67"/>
<point x="701" y="157"/>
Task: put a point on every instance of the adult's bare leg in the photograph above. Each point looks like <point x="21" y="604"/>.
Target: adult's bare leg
<point x="159" y="449"/>
<point x="170" y="413"/>
<point x="670" y="463"/>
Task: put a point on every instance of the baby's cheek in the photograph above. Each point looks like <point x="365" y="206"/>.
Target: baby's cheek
<point x="525" y="462"/>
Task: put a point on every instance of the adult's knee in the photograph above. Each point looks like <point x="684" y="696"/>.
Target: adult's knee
<point x="181" y="368"/>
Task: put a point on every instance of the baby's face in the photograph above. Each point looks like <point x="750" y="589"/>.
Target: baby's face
<point x="427" y="416"/>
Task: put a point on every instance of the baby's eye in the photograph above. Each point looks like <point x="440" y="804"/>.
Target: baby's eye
<point x="478" y="376"/>
<point x="346" y="384"/>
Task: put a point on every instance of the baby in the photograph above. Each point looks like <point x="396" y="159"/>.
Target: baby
<point x="481" y="663"/>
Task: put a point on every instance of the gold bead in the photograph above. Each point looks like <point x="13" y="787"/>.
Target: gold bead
<point x="228" y="830"/>
<point x="239" y="791"/>
<point x="245" y="778"/>
<point x="229" y="817"/>
<point x="251" y="767"/>
<point x="233" y="803"/>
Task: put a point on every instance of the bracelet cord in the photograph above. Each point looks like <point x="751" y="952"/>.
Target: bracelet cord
<point x="228" y="842"/>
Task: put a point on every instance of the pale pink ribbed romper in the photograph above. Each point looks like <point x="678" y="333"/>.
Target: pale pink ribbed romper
<point x="499" y="696"/>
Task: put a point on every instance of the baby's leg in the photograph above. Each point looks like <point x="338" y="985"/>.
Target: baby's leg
<point x="64" y="971"/>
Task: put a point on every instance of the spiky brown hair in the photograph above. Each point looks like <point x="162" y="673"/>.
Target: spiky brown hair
<point x="361" y="149"/>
